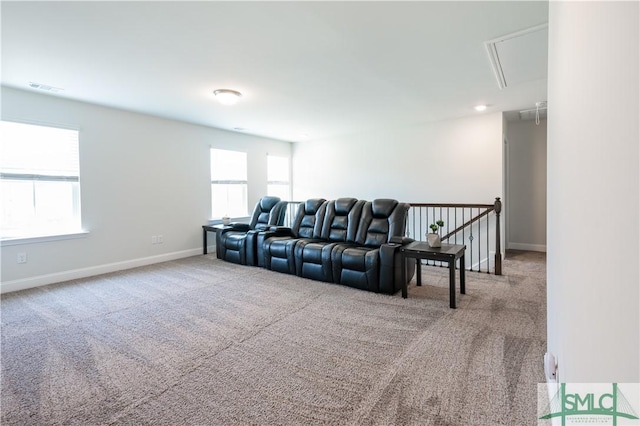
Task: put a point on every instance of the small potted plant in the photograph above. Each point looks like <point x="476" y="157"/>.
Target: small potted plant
<point x="433" y="238"/>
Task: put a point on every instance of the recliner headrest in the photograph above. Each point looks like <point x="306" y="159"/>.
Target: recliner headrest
<point x="312" y="205"/>
<point x="383" y="207"/>
<point x="267" y="203"/>
<point x="344" y="205"/>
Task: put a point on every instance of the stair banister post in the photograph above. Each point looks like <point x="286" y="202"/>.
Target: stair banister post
<point x="497" y="207"/>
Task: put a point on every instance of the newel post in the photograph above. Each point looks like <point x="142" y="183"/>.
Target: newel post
<point x="497" y="207"/>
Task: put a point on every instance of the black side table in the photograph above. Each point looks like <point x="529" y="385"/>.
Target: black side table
<point x="447" y="253"/>
<point x="205" y="230"/>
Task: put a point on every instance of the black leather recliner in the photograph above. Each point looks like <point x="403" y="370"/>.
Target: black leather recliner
<point x="313" y="257"/>
<point x="369" y="262"/>
<point x="345" y="241"/>
<point x="277" y="248"/>
<point x="237" y="242"/>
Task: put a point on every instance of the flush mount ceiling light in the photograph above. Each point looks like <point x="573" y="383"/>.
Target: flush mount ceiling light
<point x="226" y="96"/>
<point x="480" y="108"/>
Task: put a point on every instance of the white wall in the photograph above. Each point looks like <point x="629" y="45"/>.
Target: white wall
<point x="593" y="191"/>
<point x="140" y="176"/>
<point x="526" y="198"/>
<point x="144" y="176"/>
<point x="452" y="161"/>
<point x="448" y="161"/>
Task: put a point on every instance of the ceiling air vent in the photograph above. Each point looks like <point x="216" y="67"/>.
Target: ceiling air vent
<point x="45" y="87"/>
<point x="519" y="57"/>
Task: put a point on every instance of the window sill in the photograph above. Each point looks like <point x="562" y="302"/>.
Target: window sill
<point x="244" y="219"/>
<point x="42" y="238"/>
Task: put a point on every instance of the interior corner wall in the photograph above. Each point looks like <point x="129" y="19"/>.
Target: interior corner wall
<point x="140" y="176"/>
<point x="453" y="161"/>
<point x="526" y="196"/>
<point x="593" y="300"/>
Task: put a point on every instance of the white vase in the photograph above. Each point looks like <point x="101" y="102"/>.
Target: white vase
<point x="433" y="240"/>
<point x="226" y="220"/>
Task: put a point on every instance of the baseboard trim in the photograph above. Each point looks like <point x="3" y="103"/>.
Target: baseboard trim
<point x="74" y="274"/>
<point x="553" y="386"/>
<point x="528" y="247"/>
<point x="481" y="263"/>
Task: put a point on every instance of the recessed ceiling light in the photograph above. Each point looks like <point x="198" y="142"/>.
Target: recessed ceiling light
<point x="227" y="96"/>
<point x="480" y="108"/>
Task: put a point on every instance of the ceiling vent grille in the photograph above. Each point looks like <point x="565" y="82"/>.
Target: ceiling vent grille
<point x="45" y="87"/>
<point x="519" y="56"/>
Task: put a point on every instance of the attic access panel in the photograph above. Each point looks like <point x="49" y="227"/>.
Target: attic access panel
<point x="519" y="57"/>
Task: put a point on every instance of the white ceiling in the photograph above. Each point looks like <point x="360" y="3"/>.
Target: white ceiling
<point x="307" y="70"/>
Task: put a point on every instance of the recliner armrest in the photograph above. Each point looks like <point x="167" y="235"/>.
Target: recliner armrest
<point x="281" y="230"/>
<point x="277" y="231"/>
<point x="401" y="240"/>
<point x="387" y="267"/>
<point x="240" y="227"/>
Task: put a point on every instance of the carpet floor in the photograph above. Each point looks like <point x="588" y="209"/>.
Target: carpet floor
<point x="198" y="341"/>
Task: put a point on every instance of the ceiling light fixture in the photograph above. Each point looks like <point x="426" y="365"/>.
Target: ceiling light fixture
<point x="480" y="108"/>
<point x="226" y="96"/>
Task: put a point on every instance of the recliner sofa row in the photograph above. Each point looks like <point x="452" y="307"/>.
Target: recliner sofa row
<point x="345" y="241"/>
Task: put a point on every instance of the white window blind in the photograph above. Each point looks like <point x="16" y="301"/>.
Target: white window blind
<point x="39" y="180"/>
<point x="228" y="183"/>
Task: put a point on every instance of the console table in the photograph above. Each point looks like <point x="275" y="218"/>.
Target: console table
<point x="447" y="253"/>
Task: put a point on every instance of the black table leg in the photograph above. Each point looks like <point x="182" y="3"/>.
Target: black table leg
<point x="452" y="283"/>
<point x="418" y="272"/>
<point x="462" y="268"/>
<point x="204" y="241"/>
<point x="403" y="274"/>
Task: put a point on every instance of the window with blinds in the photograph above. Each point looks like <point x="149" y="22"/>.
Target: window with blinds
<point x="228" y="183"/>
<point x="39" y="180"/>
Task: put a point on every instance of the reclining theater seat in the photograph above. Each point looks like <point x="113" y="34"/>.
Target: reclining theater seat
<point x="277" y="248"/>
<point x="237" y="243"/>
<point x="313" y="257"/>
<point x="373" y="262"/>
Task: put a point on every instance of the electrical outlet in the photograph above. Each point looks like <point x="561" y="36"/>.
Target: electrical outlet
<point x="154" y="240"/>
<point x="160" y="239"/>
<point x="22" y="258"/>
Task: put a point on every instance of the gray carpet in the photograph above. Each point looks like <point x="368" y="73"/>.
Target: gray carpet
<point x="202" y="342"/>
